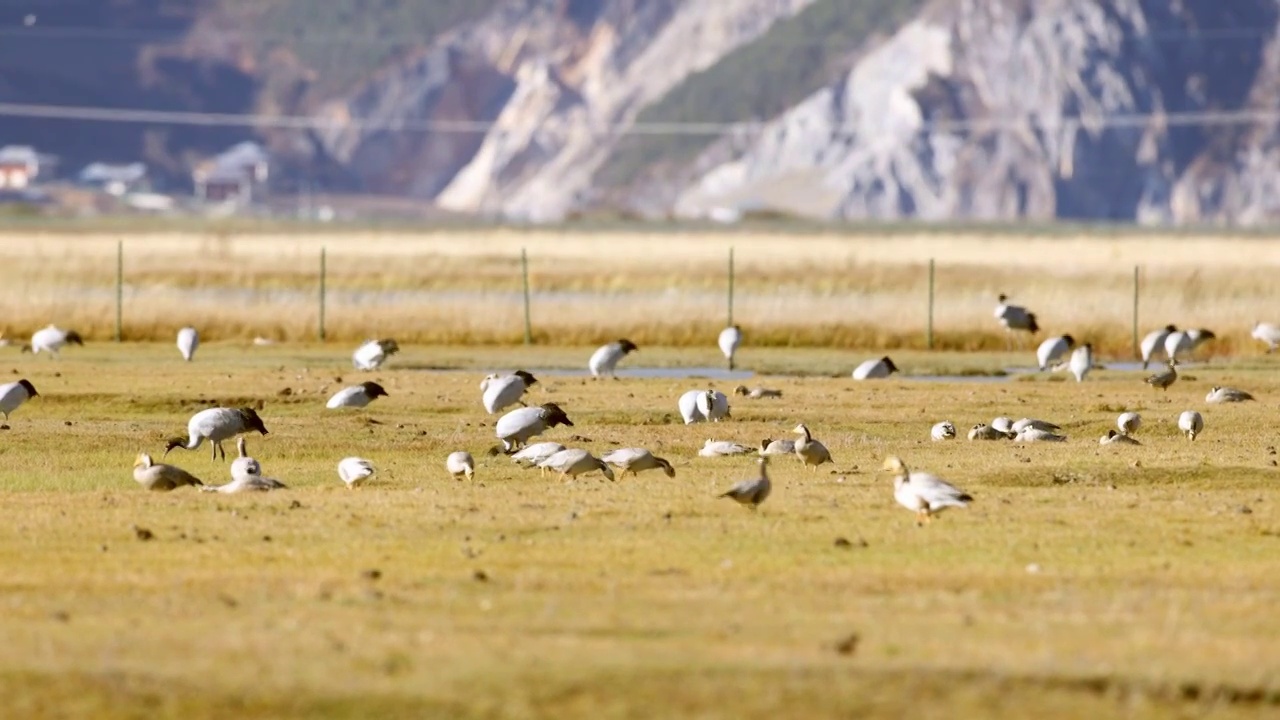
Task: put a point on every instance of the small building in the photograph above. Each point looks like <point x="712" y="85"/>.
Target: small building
<point x="117" y="180"/>
<point x="237" y="176"/>
<point x="19" y="167"/>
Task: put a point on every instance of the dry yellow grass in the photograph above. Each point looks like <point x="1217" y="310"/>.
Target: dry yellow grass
<point x="517" y="596"/>
<point x="847" y="291"/>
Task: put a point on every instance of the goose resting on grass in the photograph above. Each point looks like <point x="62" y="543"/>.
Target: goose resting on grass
<point x="459" y="464"/>
<point x="216" y="425"/>
<point x="1015" y="317"/>
<point x="983" y="431"/>
<point x="354" y="471"/>
<point x="13" y="394"/>
<point x="756" y="393"/>
<point x="718" y="448"/>
<point x="356" y="396"/>
<point x="753" y="491"/>
<point x="188" y="341"/>
<point x="161" y="478"/>
<point x="243" y="465"/>
<point x="769" y="446"/>
<point x="1114" y="438"/>
<point x="1226" y="395"/>
<point x="637" y="460"/>
<point x="925" y="494"/>
<point x="943" y="431"/>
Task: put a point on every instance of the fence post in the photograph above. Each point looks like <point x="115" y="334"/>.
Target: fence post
<point x="930" y="324"/>
<point x="1137" y="352"/>
<point x="323" y="272"/>
<point x="119" y="290"/>
<point x="730" y="323"/>
<point x="524" y="274"/>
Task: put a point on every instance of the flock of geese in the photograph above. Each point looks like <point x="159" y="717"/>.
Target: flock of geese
<point x="921" y="492"/>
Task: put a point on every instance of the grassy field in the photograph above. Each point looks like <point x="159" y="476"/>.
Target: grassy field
<point x="862" y="290"/>
<point x="1083" y="582"/>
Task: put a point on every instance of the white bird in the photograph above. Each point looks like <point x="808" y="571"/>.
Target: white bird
<point x="1025" y="423"/>
<point x="1226" y="395"/>
<point x="756" y="393"/>
<point x="703" y="405"/>
<point x="14" y="394"/>
<point x="354" y="471"/>
<point x="1199" y="336"/>
<point x="943" y="431"/>
<point x="536" y="453"/>
<point x="188" y="341"/>
<point x="753" y="491"/>
<point x="769" y="446"/>
<point x="1015" y="317"/>
<point x="356" y="396"/>
<point x="637" y="460"/>
<point x="52" y="339"/>
<point x="516" y="427"/>
<point x="574" y="462"/>
<point x="160" y="478"/>
<point x="243" y="465"/>
<point x="719" y="448"/>
<point x="1164" y="379"/>
<point x="606" y="358"/>
<point x="1035" y="434"/>
<point x="982" y="431"/>
<point x="1082" y="361"/>
<point x="1128" y="423"/>
<point x="1155" y="341"/>
<point x="216" y="425"/>
<point x="1185" y="341"/>
<point x="1053" y="350"/>
<point x="1114" y="438"/>
<point x="1003" y="424"/>
<point x="1267" y="333"/>
<point x="924" y="493"/>
<point x="729" y="340"/>
<point x="875" y="369"/>
<point x="1191" y="423"/>
<point x="810" y="451"/>
<point x="246" y="483"/>
<point x="372" y="354"/>
<point x="502" y="391"/>
<point x="459" y="464"/>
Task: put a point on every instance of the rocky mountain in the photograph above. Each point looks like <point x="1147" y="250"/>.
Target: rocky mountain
<point x="1154" y="111"/>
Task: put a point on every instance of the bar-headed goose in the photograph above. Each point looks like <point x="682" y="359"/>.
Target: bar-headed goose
<point x="810" y="451"/>
<point x="756" y="393"/>
<point x="516" y="427"/>
<point x="244" y="465"/>
<point x="923" y="493"/>
<point x="1220" y="394"/>
<point x="160" y="477"/>
<point x="730" y="339"/>
<point x="604" y="361"/>
<point x="1025" y="423"/>
<point x="1164" y="379"/>
<point x="875" y="369"/>
<point x="752" y="491"/>
<point x="13" y="394"/>
<point x="503" y="391"/>
<point x="372" y="354"/>
<point x="574" y="462"/>
<point x="460" y="465"/>
<point x="188" y="341"/>
<point x="354" y="471"/>
<point x="1114" y="438"/>
<point x="356" y="396"/>
<point x="216" y="425"/>
<point x="1191" y="423"/>
<point x="637" y="460"/>
<point x="1035" y="434"/>
<point x="1053" y="350"/>
<point x="718" y="448"/>
<point x="943" y="431"/>
<point x="52" y="339"/>
<point x="536" y="453"/>
<point x="769" y="446"/>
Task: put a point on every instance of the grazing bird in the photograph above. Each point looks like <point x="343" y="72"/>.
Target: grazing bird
<point x="1081" y="361"/>
<point x="1025" y="423"/>
<point x="1164" y="379"/>
<point x="943" y="431"/>
<point x="1114" y="438"/>
<point x="924" y="493"/>
<point x="244" y="465"/>
<point x="1191" y="423"/>
<point x="1226" y="395"/>
<point x="574" y="462"/>
<point x="718" y="448"/>
<point x="1053" y="350"/>
<point x="354" y="471"/>
<point x="516" y="427"/>
<point x="605" y="359"/>
<point x="1015" y="317"/>
<point x="372" y="354"/>
<point x="1155" y="341"/>
<point x="460" y="465"/>
<point x="536" y="453"/>
<point x="810" y="451"/>
<point x="13" y="394"/>
<point x="1128" y="423"/>
<point x="188" y="341"/>
<point x="1186" y="341"/>
<point x="769" y="446"/>
<point x="52" y="339"/>
<point x="1267" y="333"/>
<point x="637" y="460"/>
<point x="216" y="425"/>
<point x="753" y="491"/>
<point x="756" y="393"/>
<point x="356" y="396"/>
<point x="1035" y="434"/>
<point x="502" y="391"/>
<point x="875" y="369"/>
<point x="160" y="478"/>
<point x="729" y="340"/>
<point x="702" y="406"/>
<point x="982" y="431"/>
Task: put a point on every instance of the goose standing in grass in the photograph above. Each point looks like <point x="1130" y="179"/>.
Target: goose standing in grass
<point x="502" y="391"/>
<point x="460" y="465"/>
<point x="769" y="446"/>
<point x="605" y="360"/>
<point x="1015" y="318"/>
<point x="810" y="451"/>
<point x="372" y="354"/>
<point x="52" y="339"/>
<point x="574" y="462"/>
<point x="13" y="394"/>
<point x="1053" y="350"/>
<point x="924" y="493"/>
<point x="188" y="341"/>
<point x="1081" y="361"/>
<point x="216" y="425"/>
<point x="536" y="453"/>
<point x="354" y="471"/>
<point x="756" y="393"/>
<point x="1114" y="438"/>
<point x="1154" y="341"/>
<point x="1035" y="434"/>
<point x="1128" y="423"/>
<point x="1191" y="423"/>
<point x="876" y="369"/>
<point x="943" y="431"/>
<point x="1163" y="380"/>
<point x="161" y="478"/>
<point x="753" y="491"/>
<point x="722" y="448"/>
<point x="1266" y="333"/>
<point x="356" y="396"/>
<point x="516" y="427"/>
<point x="637" y="460"/>
<point x="1226" y="395"/>
<point x="982" y="431"/>
<point x="729" y="340"/>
